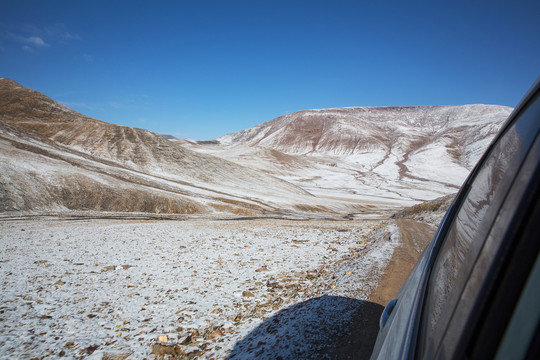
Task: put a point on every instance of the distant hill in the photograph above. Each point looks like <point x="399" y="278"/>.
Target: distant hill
<point x="402" y="131"/>
<point x="168" y="137"/>
<point x="374" y="155"/>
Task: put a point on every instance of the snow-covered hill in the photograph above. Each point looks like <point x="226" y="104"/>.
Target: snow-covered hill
<point x="361" y="130"/>
<point x="379" y="157"/>
<point x="336" y="162"/>
<point x="55" y="159"/>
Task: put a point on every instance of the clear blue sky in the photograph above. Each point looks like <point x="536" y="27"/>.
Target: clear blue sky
<point x="201" y="69"/>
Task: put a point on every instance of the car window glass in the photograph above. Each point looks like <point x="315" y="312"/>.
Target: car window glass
<point x="525" y="320"/>
<point x="471" y="225"/>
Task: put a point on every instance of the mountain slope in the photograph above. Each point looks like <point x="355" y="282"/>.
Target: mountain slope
<point x="378" y="155"/>
<point x="53" y="158"/>
<point x="347" y="131"/>
<point x="331" y="161"/>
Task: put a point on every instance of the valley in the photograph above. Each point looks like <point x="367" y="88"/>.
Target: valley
<point x="344" y="162"/>
<point x="282" y="240"/>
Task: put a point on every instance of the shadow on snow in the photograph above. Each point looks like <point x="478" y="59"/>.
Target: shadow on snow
<point x="330" y="327"/>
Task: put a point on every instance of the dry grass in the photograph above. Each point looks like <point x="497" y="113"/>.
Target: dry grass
<point x="233" y="210"/>
<point x="241" y="204"/>
<point x="310" y="208"/>
<point x="437" y="205"/>
<point x="81" y="196"/>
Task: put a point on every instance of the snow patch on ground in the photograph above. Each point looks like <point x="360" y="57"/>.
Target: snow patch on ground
<point x="74" y="288"/>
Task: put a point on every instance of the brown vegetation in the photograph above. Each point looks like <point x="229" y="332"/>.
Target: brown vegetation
<point x="309" y="208"/>
<point x="430" y="212"/>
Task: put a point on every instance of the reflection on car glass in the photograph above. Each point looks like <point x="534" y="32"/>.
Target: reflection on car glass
<point x="468" y="231"/>
<point x="528" y="125"/>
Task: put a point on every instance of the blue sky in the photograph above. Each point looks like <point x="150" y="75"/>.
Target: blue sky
<point x="201" y="69"/>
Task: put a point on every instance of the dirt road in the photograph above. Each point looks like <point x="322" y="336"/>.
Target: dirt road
<point x="414" y="238"/>
<point x="358" y="341"/>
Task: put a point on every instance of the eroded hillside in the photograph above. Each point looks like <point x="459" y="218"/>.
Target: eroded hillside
<point x="377" y="156"/>
<point x="344" y="162"/>
<point x="53" y="159"/>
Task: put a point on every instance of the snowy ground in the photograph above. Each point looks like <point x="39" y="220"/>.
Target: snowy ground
<point x="107" y="289"/>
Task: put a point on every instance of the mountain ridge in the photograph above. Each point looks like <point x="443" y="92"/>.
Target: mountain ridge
<point x="335" y="162"/>
<point x="285" y="130"/>
<point x="403" y="153"/>
<point x="35" y="126"/>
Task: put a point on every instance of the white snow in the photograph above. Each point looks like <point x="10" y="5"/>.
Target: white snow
<point x="72" y="287"/>
<point x="402" y="154"/>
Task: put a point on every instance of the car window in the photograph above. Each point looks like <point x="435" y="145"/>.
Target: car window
<point x="525" y="321"/>
<point x="467" y="232"/>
